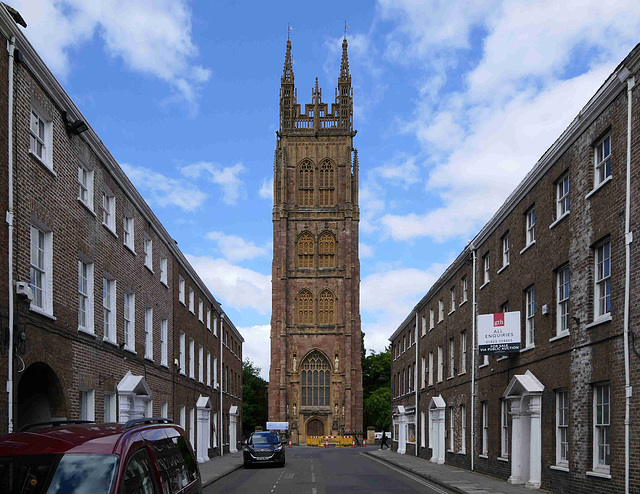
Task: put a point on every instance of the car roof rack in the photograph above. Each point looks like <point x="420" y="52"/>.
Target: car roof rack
<point x="147" y="420"/>
<point x="54" y="423"/>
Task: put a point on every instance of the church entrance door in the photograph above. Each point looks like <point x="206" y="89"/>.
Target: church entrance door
<point x="315" y="427"/>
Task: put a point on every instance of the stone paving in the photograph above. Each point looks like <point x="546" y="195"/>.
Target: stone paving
<point x="218" y="467"/>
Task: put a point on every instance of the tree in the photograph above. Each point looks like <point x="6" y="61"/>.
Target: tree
<point x="376" y="384"/>
<point x="254" y="398"/>
<point x="377" y="408"/>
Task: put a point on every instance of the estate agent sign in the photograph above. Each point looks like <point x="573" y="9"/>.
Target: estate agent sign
<point x="499" y="333"/>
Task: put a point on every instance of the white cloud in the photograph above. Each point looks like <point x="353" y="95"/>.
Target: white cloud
<point x="235" y="248"/>
<point x="234" y="286"/>
<point x="152" y="37"/>
<point x="366" y="251"/>
<point x="226" y="177"/>
<point x="162" y="191"/>
<point x="402" y="174"/>
<point x="256" y="347"/>
<point x="266" y="189"/>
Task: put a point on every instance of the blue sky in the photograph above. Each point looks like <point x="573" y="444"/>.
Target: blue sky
<point x="454" y="103"/>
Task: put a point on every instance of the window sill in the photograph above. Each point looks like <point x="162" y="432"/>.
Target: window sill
<point x="600" y="320"/>
<point x="596" y="189"/>
<point x="528" y="246"/>
<point x="462" y="303"/>
<point x="451" y="312"/>
<point x="483" y="365"/>
<point x="486" y="457"/>
<point x="44" y="163"/>
<point x="166" y="285"/>
<point x="165" y="365"/>
<point x="502" y="269"/>
<point x="441" y="320"/>
<point x="527" y="348"/>
<point x="484" y="284"/>
<point x="86" y="331"/>
<point x="111" y="342"/>
<point x="500" y="458"/>
<point x="149" y="268"/>
<point x="130" y="350"/>
<point x="552" y="225"/>
<point x="504" y="357"/>
<point x="448" y="451"/>
<point x="559" y="468"/>
<point x="150" y="359"/>
<point x="462" y="373"/>
<point x="183" y="374"/>
<point x="87" y="207"/>
<point x="111" y="231"/>
<point x="601" y="475"/>
<point x="462" y="452"/>
<point x="450" y="377"/>
<point x="130" y="249"/>
<point x="42" y="312"/>
<point x="560" y="336"/>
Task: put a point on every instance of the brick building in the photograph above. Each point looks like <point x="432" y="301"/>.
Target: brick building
<point x="315" y="379"/>
<point x="96" y="285"/>
<point x="560" y="412"/>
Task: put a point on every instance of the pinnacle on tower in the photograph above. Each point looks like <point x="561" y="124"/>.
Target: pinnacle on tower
<point x="344" y="66"/>
<point x="287" y="75"/>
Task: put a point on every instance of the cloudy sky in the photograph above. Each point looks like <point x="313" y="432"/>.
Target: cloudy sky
<point x="454" y="102"/>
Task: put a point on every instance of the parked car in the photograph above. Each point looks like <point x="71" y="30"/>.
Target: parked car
<point x="147" y="456"/>
<point x="263" y="447"/>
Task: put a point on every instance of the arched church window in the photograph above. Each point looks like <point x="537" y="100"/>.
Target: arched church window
<point x="316" y="380"/>
<point x="305" y="307"/>
<point x="327" y="183"/>
<point x="305" y="183"/>
<point x="327" y="250"/>
<point x="305" y="250"/>
<point x="325" y="307"/>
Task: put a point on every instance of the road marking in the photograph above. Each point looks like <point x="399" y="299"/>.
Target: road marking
<point x="313" y="477"/>
<point x="314" y="491"/>
<point x="415" y="478"/>
<point x="311" y="466"/>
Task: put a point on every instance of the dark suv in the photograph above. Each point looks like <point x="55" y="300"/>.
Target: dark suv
<point x="143" y="456"/>
<point x="263" y="447"/>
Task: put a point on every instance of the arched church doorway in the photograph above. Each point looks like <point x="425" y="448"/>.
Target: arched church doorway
<point x="315" y="427"/>
<point x="40" y="396"/>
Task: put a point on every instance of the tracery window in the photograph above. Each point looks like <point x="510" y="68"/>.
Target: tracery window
<point x="325" y="307"/>
<point x="316" y="380"/>
<point x="327" y="184"/>
<point x="305" y="250"/>
<point x="327" y="250"/>
<point x="305" y="183"/>
<point x="305" y="307"/>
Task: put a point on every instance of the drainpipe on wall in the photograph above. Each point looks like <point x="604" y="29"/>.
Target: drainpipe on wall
<point x="11" y="46"/>
<point x="628" y="234"/>
<point x="473" y="354"/>
<point x="221" y="387"/>
<point x="415" y="385"/>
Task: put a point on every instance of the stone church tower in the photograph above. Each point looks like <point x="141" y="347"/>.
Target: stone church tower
<point x="315" y="380"/>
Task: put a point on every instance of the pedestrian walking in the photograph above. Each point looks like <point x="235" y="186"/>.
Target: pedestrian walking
<point x="384" y="440"/>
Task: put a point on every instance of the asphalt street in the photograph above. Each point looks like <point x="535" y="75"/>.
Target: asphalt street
<point x="319" y="471"/>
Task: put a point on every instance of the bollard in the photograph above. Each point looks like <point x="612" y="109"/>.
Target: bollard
<point x="289" y="442"/>
<point x="326" y="443"/>
<point x="364" y="443"/>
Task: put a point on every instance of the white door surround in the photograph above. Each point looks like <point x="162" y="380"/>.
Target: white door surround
<point x="437" y="407"/>
<point x="133" y="396"/>
<point x="524" y="393"/>
<point x="233" y="428"/>
<point x="203" y="410"/>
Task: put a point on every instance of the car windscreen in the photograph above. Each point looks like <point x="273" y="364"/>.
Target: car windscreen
<point x="265" y="439"/>
<point x="58" y="474"/>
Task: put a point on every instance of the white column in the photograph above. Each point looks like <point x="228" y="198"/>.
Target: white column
<point x="535" y="452"/>
<point x="516" y="442"/>
<point x="139" y="407"/>
<point x="125" y="402"/>
<point x="203" y="435"/>
<point x="402" y="435"/>
<point x="233" y="426"/>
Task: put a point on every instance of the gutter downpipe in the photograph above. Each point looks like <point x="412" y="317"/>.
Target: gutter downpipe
<point x="628" y="234"/>
<point x="473" y="355"/>
<point x="221" y="377"/>
<point x="11" y="46"/>
<point x="415" y="383"/>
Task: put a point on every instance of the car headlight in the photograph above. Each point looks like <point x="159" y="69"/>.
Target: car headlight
<point x="278" y="448"/>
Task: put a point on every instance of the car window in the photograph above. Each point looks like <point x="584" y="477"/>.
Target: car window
<point x="264" y="439"/>
<point x="175" y="462"/>
<point x="137" y="476"/>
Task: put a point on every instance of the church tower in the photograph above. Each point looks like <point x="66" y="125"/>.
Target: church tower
<point x="315" y="380"/>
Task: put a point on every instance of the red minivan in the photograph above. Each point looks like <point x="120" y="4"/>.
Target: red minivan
<point x="143" y="456"/>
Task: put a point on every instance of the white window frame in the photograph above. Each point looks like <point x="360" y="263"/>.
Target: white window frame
<point x="192" y="357"/>
<point x="531" y="226"/>
<point x="128" y="232"/>
<point x="440" y="310"/>
<point x="109" y="210"/>
<point x="430" y="368"/>
<point x="602" y="277"/>
<point x="431" y="319"/>
<point x="208" y="382"/>
<point x="423" y="321"/>
<point x="562" y="196"/>
<point x="452" y="357"/>
<point x="215" y="372"/>
<point x="163" y="270"/>
<point x="200" y="310"/>
<point x="182" y="353"/>
<point x="192" y="297"/>
<point x="562" y="428"/>
<point x="41" y="137"/>
<point x="164" y="342"/>
<point x="164" y="410"/>
<point x="85" y="185"/>
<point x="602" y="161"/>
<point x="148" y="333"/>
<point x="463" y="429"/>
<point x="465" y="289"/>
<point x="148" y="253"/>
<point x="453" y="298"/>
<point x="85" y="296"/>
<point x="440" y="364"/>
<point x="87" y="405"/>
<point x="530" y="312"/>
<point x="182" y="414"/>
<point x="504" y="428"/>
<point x="423" y="381"/>
<point x="129" y="310"/>
<point x="486" y="260"/>
<point x="602" y="428"/>
<point x="181" y="291"/>
<point x="562" y="301"/>
<point x="485" y="428"/>
<point x="41" y="269"/>
<point x="109" y="309"/>
<point x="506" y="245"/>
<point x="209" y="318"/>
<point x="109" y="409"/>
<point x="463" y="352"/>
<point x="200" y="364"/>
<point x="451" y="429"/>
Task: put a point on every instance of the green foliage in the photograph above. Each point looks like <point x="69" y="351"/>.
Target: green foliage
<point x="254" y="398"/>
<point x="377" y="407"/>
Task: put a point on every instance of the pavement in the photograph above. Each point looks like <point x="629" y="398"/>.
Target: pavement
<point x="218" y="467"/>
<point x="457" y="479"/>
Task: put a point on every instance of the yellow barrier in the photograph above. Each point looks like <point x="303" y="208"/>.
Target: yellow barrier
<point x="332" y="441"/>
